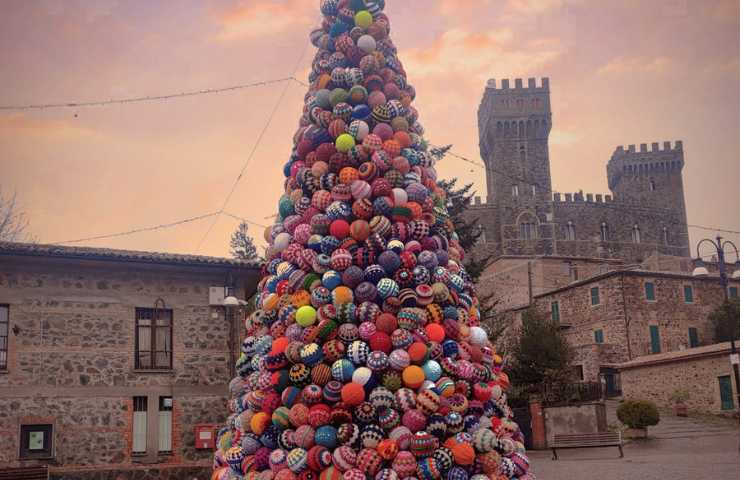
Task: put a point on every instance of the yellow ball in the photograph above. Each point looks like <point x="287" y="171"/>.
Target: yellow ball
<point x="345" y="142"/>
<point x="259" y="422"/>
<point x="413" y="376"/>
<point x="363" y="19"/>
<point x="305" y="316"/>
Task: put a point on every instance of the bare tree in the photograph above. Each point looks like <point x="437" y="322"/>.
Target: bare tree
<point x="13" y="222"/>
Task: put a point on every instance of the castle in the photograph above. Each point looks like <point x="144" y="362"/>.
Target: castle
<point x="645" y="213"/>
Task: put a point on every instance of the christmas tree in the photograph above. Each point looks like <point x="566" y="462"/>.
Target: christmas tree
<point x="365" y="358"/>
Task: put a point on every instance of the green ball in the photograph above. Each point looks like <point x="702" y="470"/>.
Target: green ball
<point x="338" y="95"/>
<point x="345" y="142"/>
<point x="305" y="316"/>
<point x="285" y="207"/>
<point x="363" y="19"/>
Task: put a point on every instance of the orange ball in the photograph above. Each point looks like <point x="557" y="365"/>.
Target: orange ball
<point x="342" y="295"/>
<point x="413" y="376"/>
<point x="416" y="210"/>
<point x="463" y="453"/>
<point x="279" y="345"/>
<point x="387" y="449"/>
<point x="353" y="394"/>
<point x="403" y="138"/>
<point x="435" y="332"/>
<point x="301" y="298"/>
<point x="259" y="422"/>
<point x="417" y="352"/>
<point x="347" y="175"/>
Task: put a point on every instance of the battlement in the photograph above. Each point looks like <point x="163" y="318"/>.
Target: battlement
<point x="580" y="197"/>
<point x="655" y="147"/>
<point x="519" y="85"/>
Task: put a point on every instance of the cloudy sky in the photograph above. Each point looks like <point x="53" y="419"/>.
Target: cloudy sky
<point x="621" y="72"/>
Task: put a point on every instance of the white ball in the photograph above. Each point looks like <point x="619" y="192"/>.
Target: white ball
<point x="478" y="336"/>
<point x="360" y="129"/>
<point x="400" y="198"/>
<point x="282" y="241"/>
<point x="367" y="43"/>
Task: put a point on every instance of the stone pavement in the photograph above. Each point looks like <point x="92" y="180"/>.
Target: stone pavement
<point x="678" y="449"/>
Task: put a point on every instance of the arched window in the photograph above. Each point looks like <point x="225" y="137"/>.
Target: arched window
<point x="570" y="231"/>
<point x="636" y="238"/>
<point x="604" y="232"/>
<point x="515" y="190"/>
<point x="527" y="230"/>
<point x="652" y="185"/>
<point x="522" y="154"/>
<point x="665" y="235"/>
<point x="482" y="237"/>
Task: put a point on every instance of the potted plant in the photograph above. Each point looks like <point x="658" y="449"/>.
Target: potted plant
<point x="679" y="398"/>
<point x="637" y="415"/>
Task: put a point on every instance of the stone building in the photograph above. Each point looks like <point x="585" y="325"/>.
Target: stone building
<point x="704" y="373"/>
<point x="109" y="359"/>
<point x="620" y="315"/>
<point x="521" y="215"/>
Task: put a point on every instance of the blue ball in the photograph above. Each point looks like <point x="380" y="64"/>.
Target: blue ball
<point x="450" y="348"/>
<point x="342" y="370"/>
<point x="432" y="370"/>
<point x="326" y="436"/>
<point x="331" y="279"/>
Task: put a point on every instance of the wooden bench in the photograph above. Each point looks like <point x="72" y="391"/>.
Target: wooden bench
<point x="25" y="473"/>
<point x="587" y="440"/>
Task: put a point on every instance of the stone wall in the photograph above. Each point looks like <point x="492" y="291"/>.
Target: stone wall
<point x="574" y="419"/>
<point x="657" y="379"/>
<point x="72" y="361"/>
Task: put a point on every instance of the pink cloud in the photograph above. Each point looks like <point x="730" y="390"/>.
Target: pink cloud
<point x="255" y="18"/>
<point x="622" y="65"/>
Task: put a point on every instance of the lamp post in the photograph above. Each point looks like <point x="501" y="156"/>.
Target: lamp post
<point x="232" y="306"/>
<point x="719" y="245"/>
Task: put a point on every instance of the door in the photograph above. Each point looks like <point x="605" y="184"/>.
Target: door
<point x="654" y="339"/>
<point x="523" y="418"/>
<point x="725" y="393"/>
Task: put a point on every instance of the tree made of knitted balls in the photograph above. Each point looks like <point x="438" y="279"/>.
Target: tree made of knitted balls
<point x="364" y="358"/>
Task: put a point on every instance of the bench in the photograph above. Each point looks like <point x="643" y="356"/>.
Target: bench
<point x="25" y="473"/>
<point x="587" y="440"/>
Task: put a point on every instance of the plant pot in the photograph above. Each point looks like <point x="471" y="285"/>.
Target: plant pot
<point x="635" y="433"/>
<point x="680" y="410"/>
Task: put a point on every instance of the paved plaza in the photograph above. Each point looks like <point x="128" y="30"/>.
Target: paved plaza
<point x="678" y="449"/>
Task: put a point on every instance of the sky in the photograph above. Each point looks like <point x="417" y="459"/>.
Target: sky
<point x="621" y="72"/>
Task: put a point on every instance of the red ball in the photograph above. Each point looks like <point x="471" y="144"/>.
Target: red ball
<point x="353" y="394"/>
<point x="381" y="341"/>
<point x="417" y="352"/>
<point x="339" y="229"/>
<point x="435" y="332"/>
<point x="386" y="322"/>
<point x="360" y="230"/>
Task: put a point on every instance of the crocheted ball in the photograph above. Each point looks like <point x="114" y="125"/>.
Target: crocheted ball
<point x="297" y="460"/>
<point x="404" y="464"/>
<point x="353" y="394"/>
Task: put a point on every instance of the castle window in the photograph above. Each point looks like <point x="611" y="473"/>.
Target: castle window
<point x="604" y="232"/>
<point x="527" y="231"/>
<point x="665" y="235"/>
<point x="534" y="190"/>
<point x="652" y="185"/>
<point x="522" y="154"/>
<point x="636" y="238"/>
<point x="515" y="190"/>
<point x="570" y="231"/>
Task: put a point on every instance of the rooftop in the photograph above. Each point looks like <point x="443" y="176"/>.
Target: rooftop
<point x="109" y="254"/>
<point x="678" y="355"/>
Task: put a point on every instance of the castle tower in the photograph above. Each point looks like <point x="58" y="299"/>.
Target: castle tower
<point x="653" y="177"/>
<point x="514" y="127"/>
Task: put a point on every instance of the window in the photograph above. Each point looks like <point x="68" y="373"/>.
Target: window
<point x="688" y="294"/>
<point x="595" y="300"/>
<point x="570" y="231"/>
<point x="732" y="292"/>
<point x="725" y="393"/>
<point x="652" y="185"/>
<point x="534" y="190"/>
<point x="693" y="337"/>
<point x="140" y="423"/>
<point x="599" y="336"/>
<point x="515" y="190"/>
<point x="37" y="441"/>
<point x="604" y="232"/>
<point x="153" y="338"/>
<point x="665" y="235"/>
<point x="650" y="291"/>
<point x="654" y="339"/>
<point x="636" y="237"/>
<point x="4" y="328"/>
<point x="555" y="308"/>
<point x="527" y="231"/>
<point x="522" y="154"/>
<point x="578" y="372"/>
<point x="165" y="424"/>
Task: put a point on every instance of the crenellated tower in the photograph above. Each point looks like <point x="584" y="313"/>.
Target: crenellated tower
<point x="514" y="127"/>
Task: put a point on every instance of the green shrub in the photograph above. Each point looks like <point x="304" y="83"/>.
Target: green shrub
<point x="638" y="413"/>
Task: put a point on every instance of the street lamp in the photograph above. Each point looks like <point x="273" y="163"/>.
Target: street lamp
<point x="232" y="306"/>
<point x="719" y="245"/>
